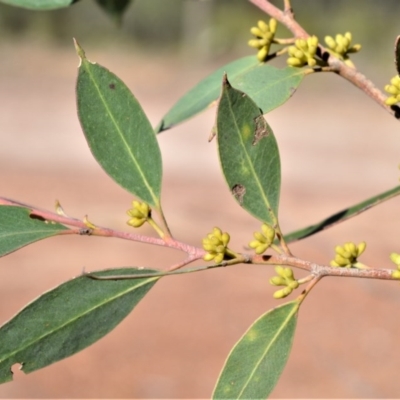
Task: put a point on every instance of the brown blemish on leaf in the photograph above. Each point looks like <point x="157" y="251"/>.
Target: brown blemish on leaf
<point x="261" y="129"/>
<point x="37" y="217"/>
<point x="111" y="86"/>
<point x="239" y="191"/>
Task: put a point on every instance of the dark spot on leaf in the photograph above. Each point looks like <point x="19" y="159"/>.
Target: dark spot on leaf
<point x="239" y="191"/>
<point x="111" y="85"/>
<point x="37" y="217"/>
<point x="261" y="129"/>
<point x="292" y="90"/>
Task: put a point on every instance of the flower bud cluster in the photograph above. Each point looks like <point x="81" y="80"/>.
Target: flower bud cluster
<point x="394" y="90"/>
<point x="139" y="214"/>
<point x="303" y="52"/>
<point x="396" y="259"/>
<point x="340" y="46"/>
<point x="346" y="255"/>
<point x="285" y="278"/>
<point x="216" y="244"/>
<point x="263" y="240"/>
<point x="264" y="34"/>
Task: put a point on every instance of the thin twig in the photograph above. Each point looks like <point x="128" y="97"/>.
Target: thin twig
<point x="323" y="270"/>
<point x="95" y="230"/>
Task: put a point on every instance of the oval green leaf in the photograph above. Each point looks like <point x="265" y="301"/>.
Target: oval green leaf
<point x="18" y="228"/>
<point x="257" y="360"/>
<point x="118" y="132"/>
<point x="39" y="4"/>
<point x="68" y="319"/>
<point x="249" y="154"/>
<point x="269" y="87"/>
<point x="205" y="93"/>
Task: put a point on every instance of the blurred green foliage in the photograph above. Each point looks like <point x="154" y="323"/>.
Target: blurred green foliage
<point x="212" y="27"/>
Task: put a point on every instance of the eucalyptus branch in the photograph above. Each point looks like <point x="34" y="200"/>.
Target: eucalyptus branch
<point x="90" y="229"/>
<point x="338" y="66"/>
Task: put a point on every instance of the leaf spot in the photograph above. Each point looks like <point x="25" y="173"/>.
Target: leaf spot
<point x="37" y="217"/>
<point x="111" y="86"/>
<point x="246" y="131"/>
<point x="238" y="192"/>
<point x="252" y="335"/>
<point x="261" y="129"/>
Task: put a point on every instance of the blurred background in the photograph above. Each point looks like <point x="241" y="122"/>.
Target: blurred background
<point x="337" y="148"/>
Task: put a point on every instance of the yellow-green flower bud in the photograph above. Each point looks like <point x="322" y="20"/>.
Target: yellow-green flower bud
<point x="396" y="274"/>
<point x="139" y="214"/>
<point x="347" y="254"/>
<point x="395" y="258"/>
<point x="284" y="278"/>
<point x="391" y="101"/>
<point x="216" y="245"/>
<point x="294" y="62"/>
<point x="277" y="281"/>
<point x="256" y="31"/>
<point x="262" y="53"/>
<point x="294" y="285"/>
<point x="264" y="34"/>
<point x="303" y="52"/>
<point x="282" y="293"/>
<point x="340" y="46"/>
<point x="264" y="239"/>
<point x="394" y="90"/>
<point x="254" y="43"/>
<point x="288" y="274"/>
<point x="273" y="25"/>
<point x="263" y="26"/>
<point x="330" y="42"/>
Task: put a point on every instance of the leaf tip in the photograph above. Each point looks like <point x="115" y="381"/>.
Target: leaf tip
<point x="225" y="82"/>
<point x="79" y="50"/>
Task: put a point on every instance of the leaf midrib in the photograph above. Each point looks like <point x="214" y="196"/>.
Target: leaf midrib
<point x="263" y="355"/>
<point x="70" y="321"/>
<point x="248" y="160"/>
<point x="85" y="62"/>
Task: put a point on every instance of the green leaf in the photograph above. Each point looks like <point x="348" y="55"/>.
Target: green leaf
<point x="258" y="358"/>
<point x="341" y="216"/>
<point x="249" y="154"/>
<point x="67" y="319"/>
<point x="268" y="86"/>
<point x="114" y="8"/>
<point x="18" y="228"/>
<point x="39" y="4"/>
<point x="205" y="93"/>
<point x="118" y="132"/>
